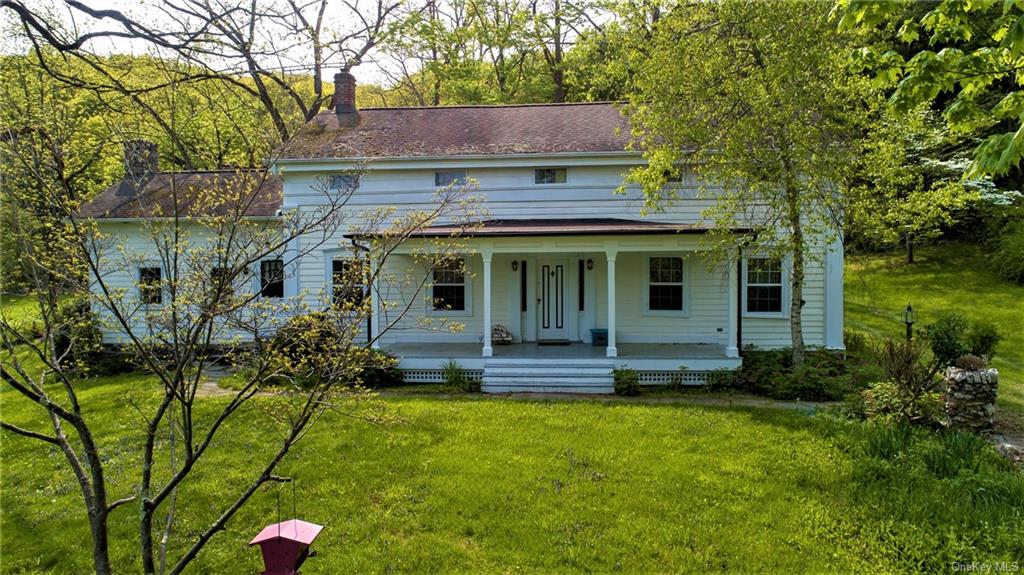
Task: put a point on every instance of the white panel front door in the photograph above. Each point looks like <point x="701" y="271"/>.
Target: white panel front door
<point x="553" y="318"/>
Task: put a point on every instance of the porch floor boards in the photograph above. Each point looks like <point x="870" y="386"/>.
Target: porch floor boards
<point x="572" y="351"/>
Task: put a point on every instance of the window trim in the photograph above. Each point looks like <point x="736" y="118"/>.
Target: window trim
<point x="647" y="311"/>
<point x="465" y="177"/>
<point x="259" y="278"/>
<point x="784" y="312"/>
<point x="537" y="170"/>
<point x="160" y="285"/>
<point x="467" y="281"/>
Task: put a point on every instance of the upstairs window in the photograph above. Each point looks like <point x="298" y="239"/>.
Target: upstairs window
<point x="449" y="290"/>
<point x="445" y="178"/>
<point x="764" y="285"/>
<point x="272" y="278"/>
<point x="665" y="284"/>
<point x="150" y="287"/>
<point x="348" y="281"/>
<point x="343" y="182"/>
<point x="550" y="175"/>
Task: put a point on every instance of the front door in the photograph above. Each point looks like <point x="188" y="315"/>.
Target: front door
<point x="552" y="322"/>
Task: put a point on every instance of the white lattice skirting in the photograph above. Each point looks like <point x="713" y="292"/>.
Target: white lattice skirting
<point x="673" y="376"/>
<point x="435" y="375"/>
<point x="646" y="377"/>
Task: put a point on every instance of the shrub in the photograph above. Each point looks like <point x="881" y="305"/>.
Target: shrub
<point x="381" y="370"/>
<point x="971" y="362"/>
<point x="946" y="337"/>
<point x="627" y="381"/>
<point x="79" y="341"/>
<point x="909" y="394"/>
<point x="953" y="335"/>
<point x="1008" y="256"/>
<point x="891" y="402"/>
<point x="457" y="377"/>
<point x="982" y="339"/>
<point x="855" y="341"/>
<point x="825" y="376"/>
<point x="310" y="348"/>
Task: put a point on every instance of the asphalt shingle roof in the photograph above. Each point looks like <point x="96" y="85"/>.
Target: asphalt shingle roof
<point x="464" y="130"/>
<point x="156" y="196"/>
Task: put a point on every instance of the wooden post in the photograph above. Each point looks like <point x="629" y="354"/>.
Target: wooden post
<point x="488" y="350"/>
<point x="732" y="348"/>
<point x="611" y="351"/>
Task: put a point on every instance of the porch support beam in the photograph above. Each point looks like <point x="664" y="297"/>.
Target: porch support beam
<point x="487" y="255"/>
<point x="732" y="348"/>
<point x="611" y="351"/>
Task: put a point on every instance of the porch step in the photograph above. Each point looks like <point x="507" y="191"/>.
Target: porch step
<point x="548" y="376"/>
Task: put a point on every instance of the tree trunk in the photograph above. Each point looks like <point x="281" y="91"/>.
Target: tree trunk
<point x="100" y="545"/>
<point x="910" y="248"/>
<point x="797" y="278"/>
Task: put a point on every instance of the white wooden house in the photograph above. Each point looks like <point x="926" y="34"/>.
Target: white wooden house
<point x="561" y="258"/>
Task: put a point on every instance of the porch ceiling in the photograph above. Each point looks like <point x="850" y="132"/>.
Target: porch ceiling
<point x="572" y="351"/>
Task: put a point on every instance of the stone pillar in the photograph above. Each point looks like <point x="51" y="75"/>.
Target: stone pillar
<point x="971" y="399"/>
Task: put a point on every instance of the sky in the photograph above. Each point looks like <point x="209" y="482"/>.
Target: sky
<point x="295" y="58"/>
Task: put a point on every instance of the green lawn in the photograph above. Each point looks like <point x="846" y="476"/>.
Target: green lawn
<point x="492" y="485"/>
<point x="19" y="309"/>
<point x="498" y="485"/>
<point x="944" y="278"/>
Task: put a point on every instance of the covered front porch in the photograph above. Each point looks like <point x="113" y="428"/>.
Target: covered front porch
<point x="573" y="299"/>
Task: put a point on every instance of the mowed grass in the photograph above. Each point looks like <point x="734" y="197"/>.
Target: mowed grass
<point x="20" y="310"/>
<point x="955" y="277"/>
<point x="491" y="485"/>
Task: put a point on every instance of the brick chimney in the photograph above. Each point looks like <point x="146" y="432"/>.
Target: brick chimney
<point x="140" y="160"/>
<point x="345" y="99"/>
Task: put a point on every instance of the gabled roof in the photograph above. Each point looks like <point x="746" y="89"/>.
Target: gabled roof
<point x="464" y="130"/>
<point x="156" y="196"/>
<point x="292" y="530"/>
<point x="563" y="227"/>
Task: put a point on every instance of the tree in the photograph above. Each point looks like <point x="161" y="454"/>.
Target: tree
<point x="970" y="67"/>
<point x="276" y="53"/>
<point x="907" y="184"/>
<point x="205" y="306"/>
<point x="752" y="97"/>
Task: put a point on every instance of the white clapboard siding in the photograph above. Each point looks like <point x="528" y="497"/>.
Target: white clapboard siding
<point x="508" y="192"/>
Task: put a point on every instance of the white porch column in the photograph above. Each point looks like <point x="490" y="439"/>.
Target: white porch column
<point x="732" y="349"/>
<point x="377" y="307"/>
<point x="611" y="351"/>
<point x="487" y="255"/>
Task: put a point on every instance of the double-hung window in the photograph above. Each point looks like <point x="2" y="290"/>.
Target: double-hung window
<point x="272" y="278"/>
<point x="764" y="285"/>
<point x="665" y="284"/>
<point x="449" y="289"/>
<point x="445" y="178"/>
<point x="348" y="281"/>
<point x="150" y="286"/>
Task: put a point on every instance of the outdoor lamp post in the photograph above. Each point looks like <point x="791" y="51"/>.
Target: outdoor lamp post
<point x="909" y="318"/>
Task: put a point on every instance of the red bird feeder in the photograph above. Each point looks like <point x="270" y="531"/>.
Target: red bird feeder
<point x="285" y="545"/>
